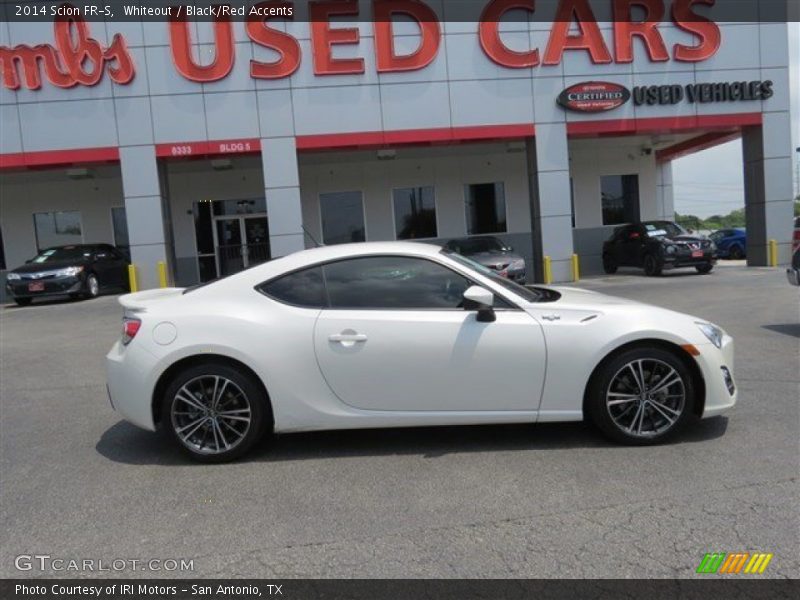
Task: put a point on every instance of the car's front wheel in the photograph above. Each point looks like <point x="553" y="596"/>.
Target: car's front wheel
<point x="736" y="253"/>
<point x="23" y="301"/>
<point x="642" y="396"/>
<point x="703" y="269"/>
<point x="215" y="412"/>
<point x="609" y="264"/>
<point x="92" y="286"/>
<point x="652" y="266"/>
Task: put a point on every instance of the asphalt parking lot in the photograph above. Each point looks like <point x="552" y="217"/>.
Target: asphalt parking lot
<point x="550" y="500"/>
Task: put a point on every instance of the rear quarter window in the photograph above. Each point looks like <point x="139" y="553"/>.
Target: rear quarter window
<point x="302" y="288"/>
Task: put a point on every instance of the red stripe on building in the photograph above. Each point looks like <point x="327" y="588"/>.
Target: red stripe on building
<point x="58" y="157"/>
<point x="660" y="124"/>
<point x="440" y="135"/>
<point x="701" y="142"/>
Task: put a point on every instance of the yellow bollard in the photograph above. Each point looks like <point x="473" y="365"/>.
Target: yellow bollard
<point x="162" y="274"/>
<point x="773" y="253"/>
<point x="548" y="270"/>
<point x="132" y="278"/>
<point x="576" y="268"/>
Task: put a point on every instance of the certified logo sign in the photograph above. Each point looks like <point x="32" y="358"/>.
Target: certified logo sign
<point x="594" y="96"/>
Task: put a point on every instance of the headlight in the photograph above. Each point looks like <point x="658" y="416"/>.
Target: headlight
<point x="68" y="272"/>
<point x="518" y="264"/>
<point x="12" y="277"/>
<point x="671" y="249"/>
<point x="712" y="332"/>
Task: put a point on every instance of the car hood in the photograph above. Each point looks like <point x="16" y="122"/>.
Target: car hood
<point x="49" y="266"/>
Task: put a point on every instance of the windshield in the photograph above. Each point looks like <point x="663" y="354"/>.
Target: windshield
<point x="531" y="295"/>
<point x="61" y="254"/>
<point x="478" y="245"/>
<point x="657" y="228"/>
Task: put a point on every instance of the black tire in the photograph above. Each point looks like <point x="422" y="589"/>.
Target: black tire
<point x="704" y="269"/>
<point x="609" y="264"/>
<point x="617" y="366"/>
<point x="652" y="266"/>
<point x="736" y="253"/>
<point x="194" y="379"/>
<point x="92" y="286"/>
<point x="23" y="301"/>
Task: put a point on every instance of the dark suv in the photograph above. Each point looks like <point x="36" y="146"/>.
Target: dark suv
<point x="656" y="246"/>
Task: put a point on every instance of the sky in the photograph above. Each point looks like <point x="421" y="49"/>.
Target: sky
<point x="711" y="182"/>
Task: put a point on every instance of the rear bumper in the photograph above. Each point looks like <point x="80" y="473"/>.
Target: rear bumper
<point x="129" y="373"/>
<point x="57" y="286"/>
<point x="713" y="363"/>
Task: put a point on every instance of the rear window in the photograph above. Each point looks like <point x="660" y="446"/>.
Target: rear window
<point x="302" y="288"/>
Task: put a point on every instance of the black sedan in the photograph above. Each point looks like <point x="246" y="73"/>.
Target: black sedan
<point x="78" y="271"/>
<point x="491" y="252"/>
<point x="656" y="246"/>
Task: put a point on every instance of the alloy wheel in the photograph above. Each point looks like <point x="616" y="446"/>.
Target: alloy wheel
<point x="211" y="414"/>
<point x="646" y="398"/>
<point x="94" y="287"/>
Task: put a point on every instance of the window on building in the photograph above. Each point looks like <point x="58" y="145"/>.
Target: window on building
<point x="414" y="213"/>
<point x="620" y="198"/>
<point x="302" y="288"/>
<point x="120" y="225"/>
<point x="393" y="282"/>
<point x="204" y="237"/>
<point x="342" y="217"/>
<point x="57" y="228"/>
<point x="486" y="208"/>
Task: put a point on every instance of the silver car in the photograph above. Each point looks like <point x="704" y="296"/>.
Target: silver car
<point x="493" y="253"/>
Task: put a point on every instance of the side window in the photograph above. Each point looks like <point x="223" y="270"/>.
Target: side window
<point x="393" y="282"/>
<point x="301" y="288"/>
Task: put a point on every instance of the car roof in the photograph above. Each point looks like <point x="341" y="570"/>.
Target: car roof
<point x="323" y="254"/>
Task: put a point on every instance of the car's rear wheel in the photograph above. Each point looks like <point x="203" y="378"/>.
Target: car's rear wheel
<point x="215" y="412"/>
<point x="23" y="301"/>
<point x="92" y="286"/>
<point x="609" y="264"/>
<point x="703" y="269"/>
<point x="652" y="266"/>
<point x="642" y="396"/>
<point x="736" y="253"/>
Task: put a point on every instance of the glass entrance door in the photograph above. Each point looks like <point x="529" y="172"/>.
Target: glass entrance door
<point x="241" y="242"/>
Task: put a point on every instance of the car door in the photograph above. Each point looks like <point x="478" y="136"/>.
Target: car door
<point x="107" y="266"/>
<point x="631" y="246"/>
<point x="396" y="338"/>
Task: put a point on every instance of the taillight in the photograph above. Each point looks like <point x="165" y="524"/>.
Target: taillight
<point x="130" y="327"/>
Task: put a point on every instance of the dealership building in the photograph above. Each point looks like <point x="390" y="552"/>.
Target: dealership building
<point x="214" y="145"/>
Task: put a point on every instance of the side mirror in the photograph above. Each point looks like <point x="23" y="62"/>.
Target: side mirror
<point x="482" y="300"/>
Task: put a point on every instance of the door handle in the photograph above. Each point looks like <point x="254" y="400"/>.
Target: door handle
<point x="347" y="338"/>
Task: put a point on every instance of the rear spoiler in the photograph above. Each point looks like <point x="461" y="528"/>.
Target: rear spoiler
<point x="139" y="301"/>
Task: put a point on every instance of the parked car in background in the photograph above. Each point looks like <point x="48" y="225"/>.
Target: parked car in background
<point x="796" y="236"/>
<point x="82" y="270"/>
<point x="793" y="272"/>
<point x="731" y="243"/>
<point x="493" y="253"/>
<point x="656" y="246"/>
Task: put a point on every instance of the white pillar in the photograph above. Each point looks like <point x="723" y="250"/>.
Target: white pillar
<point x="551" y="212"/>
<point x="148" y="229"/>
<point x="665" y="192"/>
<point x="282" y="190"/>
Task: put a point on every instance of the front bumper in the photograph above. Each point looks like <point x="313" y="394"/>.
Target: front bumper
<point x="54" y="286"/>
<point x="716" y="365"/>
<point x="793" y="275"/>
<point x="674" y="261"/>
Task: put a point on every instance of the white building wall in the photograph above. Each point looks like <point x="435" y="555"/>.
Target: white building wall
<point x="26" y="193"/>
<point x="448" y="170"/>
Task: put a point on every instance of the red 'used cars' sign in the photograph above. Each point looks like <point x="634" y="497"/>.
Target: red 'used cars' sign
<point x="594" y="96"/>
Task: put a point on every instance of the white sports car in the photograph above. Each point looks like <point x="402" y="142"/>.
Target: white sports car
<point x="404" y="334"/>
